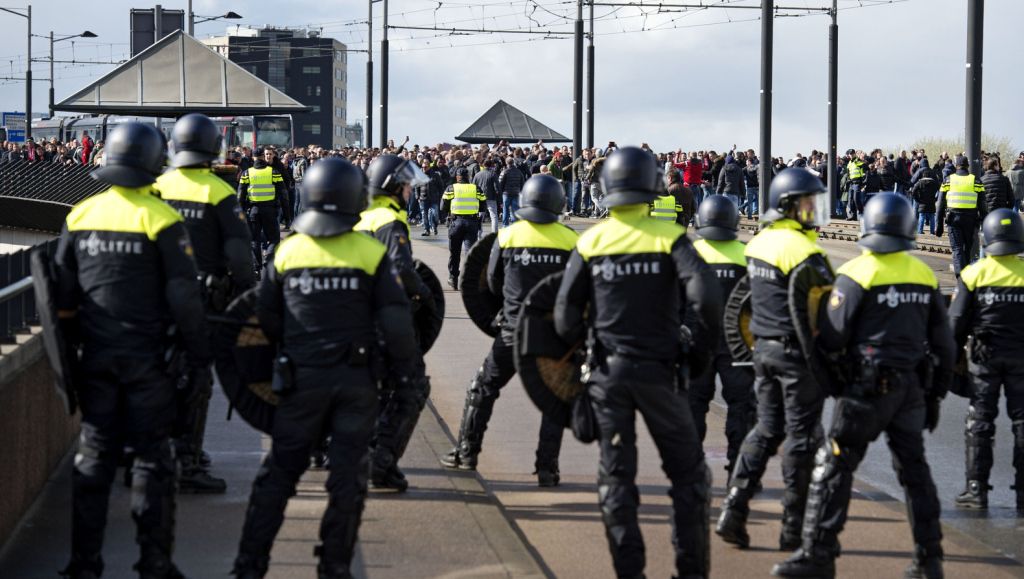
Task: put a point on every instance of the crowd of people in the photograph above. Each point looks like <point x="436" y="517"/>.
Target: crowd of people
<point x="80" y="151"/>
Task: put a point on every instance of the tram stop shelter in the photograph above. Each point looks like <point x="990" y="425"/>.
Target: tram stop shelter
<point x="176" y="76"/>
<point x="505" y="122"/>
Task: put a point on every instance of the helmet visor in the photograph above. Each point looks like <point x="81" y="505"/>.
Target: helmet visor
<point x="408" y="173"/>
<point x="814" y="210"/>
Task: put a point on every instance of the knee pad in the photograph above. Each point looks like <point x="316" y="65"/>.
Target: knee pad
<point x="979" y="429"/>
<point x="619" y="502"/>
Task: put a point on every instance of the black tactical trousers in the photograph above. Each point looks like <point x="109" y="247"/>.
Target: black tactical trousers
<point x="126" y="401"/>
<point x="265" y="231"/>
<point x="738" y="392"/>
<point x="497" y="370"/>
<point x="789" y="404"/>
<point x="900" y="413"/>
<point x="621" y="386"/>
<point x="340" y="402"/>
<point x="462" y="229"/>
<point x="190" y="421"/>
<point x="400" y="409"/>
<point x="988" y="379"/>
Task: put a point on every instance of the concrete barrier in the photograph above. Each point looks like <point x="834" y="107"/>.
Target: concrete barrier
<point x="35" y="430"/>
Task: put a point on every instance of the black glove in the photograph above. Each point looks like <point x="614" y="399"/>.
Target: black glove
<point x="931" y="416"/>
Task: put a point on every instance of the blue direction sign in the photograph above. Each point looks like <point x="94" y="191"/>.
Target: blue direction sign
<point x="15" y="125"/>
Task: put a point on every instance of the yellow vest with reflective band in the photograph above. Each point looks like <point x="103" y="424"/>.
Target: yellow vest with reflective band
<point x="665" y="208"/>
<point x="714" y="252"/>
<point x="962" y="193"/>
<point x="195" y="185"/>
<point x="994" y="271"/>
<point x="382" y="210"/>
<point x="871" y="270"/>
<point x="465" y="201"/>
<point x="855" y="169"/>
<point x="352" y="250"/>
<point x="261" y="184"/>
<point x="125" y="210"/>
<point x="783" y="244"/>
<point x="629" y="230"/>
<point x="537" y="235"/>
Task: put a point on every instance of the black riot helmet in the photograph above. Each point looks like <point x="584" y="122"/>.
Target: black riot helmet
<point x="133" y="155"/>
<point x="541" y="199"/>
<point x="887" y="225"/>
<point x="334" y="194"/>
<point x="718" y="218"/>
<point x="389" y="174"/>
<point x="462" y="173"/>
<point x="1003" y="231"/>
<point x="631" y="175"/>
<point x="798" y="194"/>
<point x="195" y="140"/>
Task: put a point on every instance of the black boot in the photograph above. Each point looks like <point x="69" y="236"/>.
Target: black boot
<point x="475" y="416"/>
<point x="453" y="281"/>
<point x="926" y="569"/>
<point x="548" y="475"/>
<point x="789" y="537"/>
<point x="1018" y="464"/>
<point x="195" y="479"/>
<point x="384" y="472"/>
<point x="975" y="496"/>
<point x="814" y="562"/>
<point x="732" y="523"/>
<point x="83" y="569"/>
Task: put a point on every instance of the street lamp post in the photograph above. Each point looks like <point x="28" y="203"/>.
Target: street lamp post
<point x="53" y="41"/>
<point x="28" y="69"/>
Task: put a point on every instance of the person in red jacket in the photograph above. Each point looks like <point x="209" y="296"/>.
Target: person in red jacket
<point x="87" y="145"/>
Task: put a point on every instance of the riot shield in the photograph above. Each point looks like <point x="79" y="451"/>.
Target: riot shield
<point x="244" y="359"/>
<point x="482" y="306"/>
<point x="549" y="368"/>
<point x="62" y="354"/>
<point x="736" y="324"/>
<point x="809" y="288"/>
<point x="428" y="322"/>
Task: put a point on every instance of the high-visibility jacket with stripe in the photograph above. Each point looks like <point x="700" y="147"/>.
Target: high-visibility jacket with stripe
<point x="261" y="183"/>
<point x="962" y="191"/>
<point x="665" y="208"/>
<point x="465" y="199"/>
<point x="855" y="169"/>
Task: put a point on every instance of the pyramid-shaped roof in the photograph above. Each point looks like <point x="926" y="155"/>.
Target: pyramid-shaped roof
<point x="176" y="76"/>
<point x="504" y="121"/>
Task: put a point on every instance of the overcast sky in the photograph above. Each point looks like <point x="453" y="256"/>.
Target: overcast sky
<point x="691" y="82"/>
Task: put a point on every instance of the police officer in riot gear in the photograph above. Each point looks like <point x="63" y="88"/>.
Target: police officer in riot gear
<point x="221" y="241"/>
<point x="261" y="193"/>
<point x="525" y="252"/>
<point x="124" y="272"/>
<point x="391" y="179"/>
<point x="464" y="203"/>
<point x="718" y="221"/>
<point x="628" y="284"/>
<point x="988" y="307"/>
<point x="789" y="398"/>
<point x="322" y="301"/>
<point x="884" y="304"/>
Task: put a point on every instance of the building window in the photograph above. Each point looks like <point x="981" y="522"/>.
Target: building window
<point x="314" y="129"/>
<point x="311" y="70"/>
<point x="253" y="70"/>
<point x="339" y="55"/>
<point x="309" y="91"/>
<point x="337" y="112"/>
<point x="337" y="130"/>
<point x="337" y="93"/>
<point x="316" y="108"/>
<point x="317" y="91"/>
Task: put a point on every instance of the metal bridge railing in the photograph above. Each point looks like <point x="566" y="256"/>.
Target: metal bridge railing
<point x="17" y="300"/>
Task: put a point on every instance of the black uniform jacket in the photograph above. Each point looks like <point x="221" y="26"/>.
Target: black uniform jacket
<point x="989" y="304"/>
<point x="524" y="254"/>
<point x="635" y="278"/>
